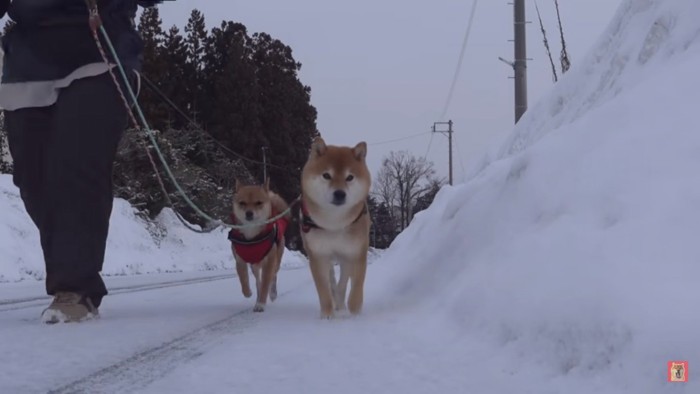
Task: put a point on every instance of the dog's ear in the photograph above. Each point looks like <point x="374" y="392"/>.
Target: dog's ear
<point x="318" y="147"/>
<point x="360" y="151"/>
<point x="239" y="184"/>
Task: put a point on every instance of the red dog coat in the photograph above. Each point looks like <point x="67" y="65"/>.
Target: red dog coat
<point x="254" y="250"/>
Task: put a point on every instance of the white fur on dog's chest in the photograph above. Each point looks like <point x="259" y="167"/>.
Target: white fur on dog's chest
<point x="332" y="243"/>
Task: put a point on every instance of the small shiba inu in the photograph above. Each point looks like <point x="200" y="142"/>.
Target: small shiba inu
<point x="260" y="245"/>
<point x="335" y="222"/>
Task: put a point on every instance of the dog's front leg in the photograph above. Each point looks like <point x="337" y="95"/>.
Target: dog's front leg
<point x="256" y="273"/>
<point x="242" y="270"/>
<point x="357" y="283"/>
<point x="333" y="282"/>
<point x="342" y="286"/>
<point x="268" y="273"/>
<point x="278" y="264"/>
<point x="320" y="266"/>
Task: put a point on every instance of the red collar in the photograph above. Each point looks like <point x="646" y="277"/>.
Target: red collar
<point x="306" y="222"/>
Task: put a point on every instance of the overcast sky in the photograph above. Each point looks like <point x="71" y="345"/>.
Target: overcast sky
<point x="381" y="70"/>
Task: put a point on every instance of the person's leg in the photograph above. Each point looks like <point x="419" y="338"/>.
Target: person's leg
<point x="27" y="131"/>
<point x="88" y="121"/>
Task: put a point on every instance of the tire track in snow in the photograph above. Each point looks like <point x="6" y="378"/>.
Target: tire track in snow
<point x="143" y="368"/>
<point x="31" y="302"/>
<point x="23" y="303"/>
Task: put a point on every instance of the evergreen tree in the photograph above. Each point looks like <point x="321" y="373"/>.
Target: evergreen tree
<point x="195" y="41"/>
<point x="424" y="201"/>
<point x="154" y="66"/>
<point x="173" y="84"/>
<point x="243" y="93"/>
<point x="384" y="227"/>
<point x="288" y="121"/>
<point x="232" y="108"/>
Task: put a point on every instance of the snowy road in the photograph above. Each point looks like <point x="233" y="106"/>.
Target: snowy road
<point x="186" y="333"/>
<point x="195" y="333"/>
<point x="149" y="324"/>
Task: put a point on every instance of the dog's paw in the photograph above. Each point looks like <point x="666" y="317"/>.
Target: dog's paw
<point x="340" y="306"/>
<point x="247" y="293"/>
<point x="327" y="315"/>
<point x="273" y="294"/>
<point x="355" y="302"/>
<point x="259" y="308"/>
<point x="355" y="308"/>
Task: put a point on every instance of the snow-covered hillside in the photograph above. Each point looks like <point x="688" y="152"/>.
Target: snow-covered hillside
<point x="575" y="246"/>
<point x="131" y="248"/>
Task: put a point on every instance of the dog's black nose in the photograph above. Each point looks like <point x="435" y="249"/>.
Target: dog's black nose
<point x="338" y="197"/>
<point x="249" y="215"/>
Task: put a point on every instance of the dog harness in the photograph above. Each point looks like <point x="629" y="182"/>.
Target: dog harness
<point x="307" y="223"/>
<point x="254" y="250"/>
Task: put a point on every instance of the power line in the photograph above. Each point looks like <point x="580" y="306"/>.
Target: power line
<point x="459" y="62"/>
<point x="425" y="157"/>
<point x="398" y="139"/>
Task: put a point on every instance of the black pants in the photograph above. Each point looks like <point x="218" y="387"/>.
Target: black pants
<point x="63" y="159"/>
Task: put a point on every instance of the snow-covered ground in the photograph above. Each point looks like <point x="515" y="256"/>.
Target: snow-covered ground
<point x="133" y="245"/>
<point x="569" y="263"/>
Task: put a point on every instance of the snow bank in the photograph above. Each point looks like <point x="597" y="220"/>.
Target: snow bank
<point x="131" y="248"/>
<point x="575" y="245"/>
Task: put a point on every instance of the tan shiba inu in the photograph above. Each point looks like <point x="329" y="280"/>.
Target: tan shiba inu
<point x="335" y="222"/>
<point x="260" y="245"/>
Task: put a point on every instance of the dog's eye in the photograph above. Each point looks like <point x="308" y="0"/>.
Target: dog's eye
<point x="258" y="203"/>
<point x="242" y="203"/>
<point x="326" y="176"/>
<point x="349" y="178"/>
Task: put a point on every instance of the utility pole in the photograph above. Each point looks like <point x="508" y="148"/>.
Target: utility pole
<point x="519" y="63"/>
<point x="449" y="138"/>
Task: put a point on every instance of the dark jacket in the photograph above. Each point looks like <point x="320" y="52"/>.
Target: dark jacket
<point x="52" y="38"/>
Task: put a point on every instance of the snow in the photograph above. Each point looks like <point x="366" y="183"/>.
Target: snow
<point x="575" y="246"/>
<point x="568" y="263"/>
<point x="131" y="247"/>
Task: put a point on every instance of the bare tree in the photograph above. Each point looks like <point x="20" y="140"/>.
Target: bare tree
<point x="564" y="56"/>
<point x="385" y="190"/>
<point x="546" y="43"/>
<point x="402" y="179"/>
